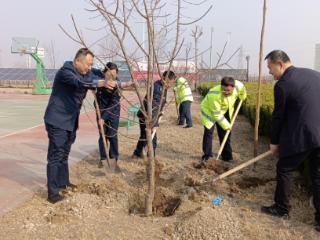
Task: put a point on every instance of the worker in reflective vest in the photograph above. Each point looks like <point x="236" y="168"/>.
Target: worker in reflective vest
<point x="218" y="107"/>
<point x="184" y="99"/>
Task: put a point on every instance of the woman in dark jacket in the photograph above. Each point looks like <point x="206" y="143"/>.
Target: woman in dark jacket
<point x="109" y="103"/>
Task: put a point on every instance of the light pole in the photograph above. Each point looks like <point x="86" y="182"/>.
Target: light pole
<point x="247" y="59"/>
<point x="211" y="47"/>
<point x="143" y="39"/>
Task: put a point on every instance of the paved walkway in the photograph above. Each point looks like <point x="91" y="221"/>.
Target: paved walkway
<point x="23" y="148"/>
<point x="23" y="161"/>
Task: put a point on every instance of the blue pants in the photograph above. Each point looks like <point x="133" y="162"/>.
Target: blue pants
<point x="185" y="113"/>
<point x="111" y="133"/>
<point x="207" y="142"/>
<point x="60" y="142"/>
<point x="143" y="140"/>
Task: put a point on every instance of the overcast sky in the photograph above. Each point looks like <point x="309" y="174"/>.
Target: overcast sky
<point x="292" y="25"/>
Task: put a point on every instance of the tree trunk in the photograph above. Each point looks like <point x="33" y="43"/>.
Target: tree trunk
<point x="150" y="173"/>
<point x="149" y="123"/>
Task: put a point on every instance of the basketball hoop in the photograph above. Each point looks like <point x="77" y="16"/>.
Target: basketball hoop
<point x="23" y="45"/>
<point x="29" y="47"/>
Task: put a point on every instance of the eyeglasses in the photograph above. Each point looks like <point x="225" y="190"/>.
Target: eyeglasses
<point x="228" y="85"/>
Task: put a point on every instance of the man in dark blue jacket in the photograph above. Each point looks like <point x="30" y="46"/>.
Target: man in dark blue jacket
<point x="109" y="103"/>
<point x="295" y="129"/>
<point x="62" y="116"/>
<point x="159" y="86"/>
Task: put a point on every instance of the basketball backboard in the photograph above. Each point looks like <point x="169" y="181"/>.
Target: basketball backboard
<point x="24" y="45"/>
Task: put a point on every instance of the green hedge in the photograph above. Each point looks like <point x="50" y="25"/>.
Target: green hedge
<point x="249" y="106"/>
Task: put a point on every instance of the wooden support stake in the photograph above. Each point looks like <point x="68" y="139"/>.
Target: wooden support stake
<point x="258" y="104"/>
<point x="101" y="129"/>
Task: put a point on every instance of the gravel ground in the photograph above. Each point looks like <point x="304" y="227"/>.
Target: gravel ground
<point x="109" y="205"/>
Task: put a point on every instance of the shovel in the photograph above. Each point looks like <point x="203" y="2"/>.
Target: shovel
<point x="241" y="166"/>
<point x="228" y="132"/>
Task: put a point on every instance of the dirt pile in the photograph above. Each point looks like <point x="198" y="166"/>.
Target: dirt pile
<point x="111" y="206"/>
<point x="210" y="224"/>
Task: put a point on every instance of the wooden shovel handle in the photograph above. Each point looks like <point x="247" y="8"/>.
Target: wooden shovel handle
<point x="228" y="132"/>
<point x="243" y="165"/>
<point x="101" y="129"/>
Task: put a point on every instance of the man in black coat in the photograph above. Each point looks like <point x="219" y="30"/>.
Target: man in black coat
<point x="109" y="102"/>
<point x="295" y="129"/>
<point x="62" y="116"/>
<point x="168" y="80"/>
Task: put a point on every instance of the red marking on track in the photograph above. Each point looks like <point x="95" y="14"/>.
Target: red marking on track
<point x="12" y="96"/>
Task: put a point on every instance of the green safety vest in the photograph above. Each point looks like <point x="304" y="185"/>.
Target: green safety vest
<point x="183" y="90"/>
<point x="215" y="105"/>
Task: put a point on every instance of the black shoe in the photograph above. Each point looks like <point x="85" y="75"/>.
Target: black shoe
<point x="205" y="158"/>
<point x="100" y="164"/>
<point x="187" y="126"/>
<point x="55" y="198"/>
<point x="136" y="156"/>
<point x="275" y="210"/>
<point x="180" y="124"/>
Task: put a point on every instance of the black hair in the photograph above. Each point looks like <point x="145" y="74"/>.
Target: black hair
<point x="227" y="81"/>
<point x="83" y="52"/>
<point x="110" y="66"/>
<point x="277" y="55"/>
<point x="169" y="74"/>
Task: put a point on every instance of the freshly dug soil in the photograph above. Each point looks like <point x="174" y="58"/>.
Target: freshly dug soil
<point x="110" y="206"/>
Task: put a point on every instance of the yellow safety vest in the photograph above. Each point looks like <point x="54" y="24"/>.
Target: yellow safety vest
<point x="183" y="90"/>
<point x="215" y="105"/>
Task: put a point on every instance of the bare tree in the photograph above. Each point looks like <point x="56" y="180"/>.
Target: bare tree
<point x="211" y="47"/>
<point x="164" y="25"/>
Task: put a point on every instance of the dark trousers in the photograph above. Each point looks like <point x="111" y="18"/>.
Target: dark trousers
<point x="143" y="140"/>
<point x="111" y="134"/>
<point x="207" y="142"/>
<point x="60" y="142"/>
<point x="285" y="168"/>
<point x="185" y="113"/>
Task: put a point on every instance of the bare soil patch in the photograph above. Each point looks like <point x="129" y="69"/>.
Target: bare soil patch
<point x="110" y="206"/>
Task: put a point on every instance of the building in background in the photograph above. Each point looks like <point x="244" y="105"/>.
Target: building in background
<point x="178" y="66"/>
<point x="217" y="74"/>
